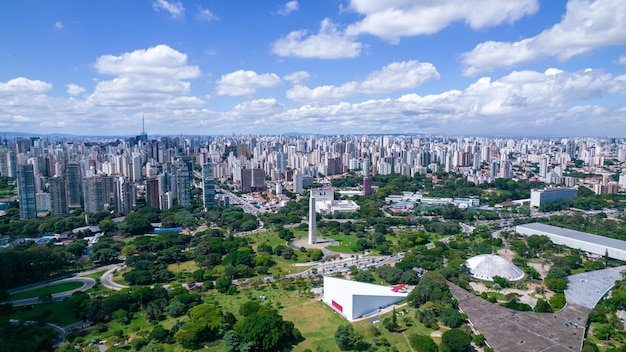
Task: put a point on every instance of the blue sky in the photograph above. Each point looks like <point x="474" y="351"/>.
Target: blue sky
<point x="455" y="67"/>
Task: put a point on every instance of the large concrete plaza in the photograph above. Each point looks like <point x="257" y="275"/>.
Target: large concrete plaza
<point x="513" y="331"/>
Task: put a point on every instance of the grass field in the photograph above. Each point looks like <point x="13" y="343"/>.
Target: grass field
<point x="184" y="267"/>
<point x="281" y="295"/>
<point x="96" y="276"/>
<point x="269" y="237"/>
<point x="317" y="323"/>
<point x="49" y="312"/>
<point x="52" y="289"/>
<point x="603" y="345"/>
<point x="346" y="243"/>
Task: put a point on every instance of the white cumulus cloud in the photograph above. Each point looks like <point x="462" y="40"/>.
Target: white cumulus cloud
<point x="160" y="60"/>
<point x="288" y="8"/>
<point x="74" y="89"/>
<point x="205" y="15"/>
<point x="586" y="25"/>
<point x="328" y="43"/>
<point x="622" y="60"/>
<point x="174" y="8"/>
<point x="58" y="25"/>
<point x="242" y="82"/>
<point x="297" y="77"/>
<point x="395" y="77"/>
<point x="394" y="19"/>
<point x="145" y="78"/>
<point x="21" y="85"/>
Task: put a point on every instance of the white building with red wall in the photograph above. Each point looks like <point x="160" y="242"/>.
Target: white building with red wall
<point x="354" y="300"/>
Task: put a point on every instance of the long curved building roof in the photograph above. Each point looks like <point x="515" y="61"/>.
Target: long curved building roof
<point x="486" y="266"/>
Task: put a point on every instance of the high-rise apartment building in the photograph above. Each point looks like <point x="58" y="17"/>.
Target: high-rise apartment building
<point x="367" y="186"/>
<point x="26" y="192"/>
<point x="97" y="193"/>
<point x="58" y="196"/>
<point x="153" y="196"/>
<point x="125" y="195"/>
<point x="297" y="181"/>
<point x="73" y="185"/>
<point x="183" y="185"/>
<point x="208" y="185"/>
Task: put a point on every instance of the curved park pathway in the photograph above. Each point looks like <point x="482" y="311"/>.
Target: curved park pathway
<point x="57" y="297"/>
<point x="107" y="279"/>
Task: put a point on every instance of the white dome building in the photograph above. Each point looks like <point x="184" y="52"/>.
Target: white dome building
<point x="486" y="266"/>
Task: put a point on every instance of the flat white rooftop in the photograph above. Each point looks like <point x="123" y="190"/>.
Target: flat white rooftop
<point x="577" y="235"/>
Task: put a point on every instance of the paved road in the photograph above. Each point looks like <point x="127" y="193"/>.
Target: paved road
<point x="467" y="228"/>
<point x="107" y="279"/>
<point x="236" y="200"/>
<point x="57" y="297"/>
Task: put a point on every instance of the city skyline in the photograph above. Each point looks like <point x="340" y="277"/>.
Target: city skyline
<point x="509" y="68"/>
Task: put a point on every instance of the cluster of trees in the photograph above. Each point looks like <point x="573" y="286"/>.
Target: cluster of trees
<point x="146" y="269"/>
<point x="536" y="246"/>
<point x="26" y="338"/>
<point x="434" y="301"/>
<point x="397" y="183"/>
<point x="562" y="266"/>
<point x="234" y="255"/>
<point x="30" y="263"/>
<point x="390" y="274"/>
<point x="122" y="307"/>
<point x="349" y="340"/>
<point x="508" y="189"/>
<point x="597" y="224"/>
<point x="605" y="324"/>
<point x="11" y="225"/>
<point x="8" y="187"/>
<point x="261" y="329"/>
<point x="232" y="219"/>
<point x="291" y="213"/>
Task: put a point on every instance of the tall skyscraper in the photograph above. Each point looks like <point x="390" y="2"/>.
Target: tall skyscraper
<point x="543" y="167"/>
<point x="97" y="191"/>
<point x="58" y="196"/>
<point x="367" y="167"/>
<point x="73" y="179"/>
<point x="367" y="186"/>
<point x="208" y="185"/>
<point x="153" y="196"/>
<point x="26" y="192"/>
<point x="297" y="181"/>
<point x="124" y="195"/>
<point x="183" y="194"/>
<point x="281" y="162"/>
<point x="312" y="221"/>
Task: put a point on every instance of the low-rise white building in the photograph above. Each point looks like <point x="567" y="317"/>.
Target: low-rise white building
<point x="539" y="197"/>
<point x="354" y="300"/>
<point x="595" y="244"/>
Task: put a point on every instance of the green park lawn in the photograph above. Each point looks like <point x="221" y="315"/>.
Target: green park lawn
<point x="185" y="267"/>
<point x="52" y="289"/>
<point x="56" y="313"/>
<point x="317" y="323"/>
<point x="346" y="243"/>
<point x="269" y="237"/>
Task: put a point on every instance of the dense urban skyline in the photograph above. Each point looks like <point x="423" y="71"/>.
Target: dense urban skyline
<point x="522" y="67"/>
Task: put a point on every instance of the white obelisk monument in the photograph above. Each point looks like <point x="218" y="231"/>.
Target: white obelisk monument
<point x="312" y="219"/>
